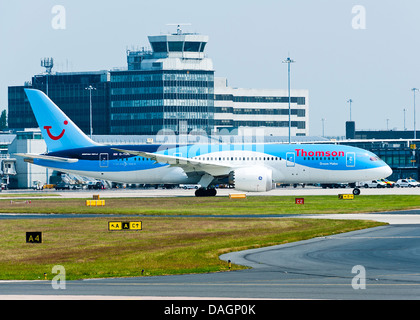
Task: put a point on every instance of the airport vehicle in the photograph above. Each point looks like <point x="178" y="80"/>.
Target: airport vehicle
<point x="37" y="185"/>
<point x="411" y="183"/>
<point x="389" y="184"/>
<point x="250" y="167"/>
<point x="373" y="184"/>
<point x="62" y="186"/>
<point x="97" y="185"/>
<point x="189" y="186"/>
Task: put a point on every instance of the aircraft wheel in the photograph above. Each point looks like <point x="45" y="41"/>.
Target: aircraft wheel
<point x="202" y="192"/>
<point x="356" y="191"/>
<point x="199" y="192"/>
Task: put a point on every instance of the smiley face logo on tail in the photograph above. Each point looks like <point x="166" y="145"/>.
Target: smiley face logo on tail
<point x="55" y="137"/>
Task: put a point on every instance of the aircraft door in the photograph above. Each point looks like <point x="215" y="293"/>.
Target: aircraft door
<point x="290" y="159"/>
<point x="103" y="160"/>
<point x="350" y="159"/>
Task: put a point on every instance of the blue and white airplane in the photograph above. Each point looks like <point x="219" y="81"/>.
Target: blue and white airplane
<point x="250" y="167"/>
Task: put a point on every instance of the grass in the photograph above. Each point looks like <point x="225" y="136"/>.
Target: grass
<point x="86" y="248"/>
<point x="255" y="205"/>
<point x="167" y="245"/>
<point x="32" y="195"/>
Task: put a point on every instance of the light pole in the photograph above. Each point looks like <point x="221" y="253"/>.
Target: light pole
<point x="323" y="124"/>
<point x="414" y="96"/>
<point x="404" y="119"/>
<point x="289" y="61"/>
<point x="90" y="88"/>
<point x="350" y="101"/>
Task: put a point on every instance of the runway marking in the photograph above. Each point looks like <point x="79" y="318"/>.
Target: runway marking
<point x="255" y="284"/>
<point x="399" y="237"/>
<point x="398" y="274"/>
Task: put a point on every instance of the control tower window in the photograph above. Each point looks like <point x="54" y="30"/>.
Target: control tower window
<point x="159" y="46"/>
<point x="175" y="46"/>
<point x="191" y="46"/>
<point x="203" y="44"/>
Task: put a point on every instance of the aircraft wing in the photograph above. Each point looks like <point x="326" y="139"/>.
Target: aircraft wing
<point x="187" y="164"/>
<point x="45" y="157"/>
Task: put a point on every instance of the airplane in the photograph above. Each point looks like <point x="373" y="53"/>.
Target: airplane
<point x="253" y="167"/>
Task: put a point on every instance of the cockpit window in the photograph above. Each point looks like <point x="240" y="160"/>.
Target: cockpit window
<point x="373" y="157"/>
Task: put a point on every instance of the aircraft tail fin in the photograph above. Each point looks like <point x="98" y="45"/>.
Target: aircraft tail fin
<point x="59" y="132"/>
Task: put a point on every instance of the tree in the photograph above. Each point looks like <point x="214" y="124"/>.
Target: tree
<point x="3" y="120"/>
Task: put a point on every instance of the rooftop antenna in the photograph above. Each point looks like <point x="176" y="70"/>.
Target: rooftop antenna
<point x="350" y="101"/>
<point x="48" y="64"/>
<point x="178" y="26"/>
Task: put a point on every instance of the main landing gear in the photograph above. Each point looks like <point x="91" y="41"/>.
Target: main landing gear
<point x="205" y="192"/>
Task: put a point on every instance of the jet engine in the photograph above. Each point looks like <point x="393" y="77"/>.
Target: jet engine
<point x="254" y="178"/>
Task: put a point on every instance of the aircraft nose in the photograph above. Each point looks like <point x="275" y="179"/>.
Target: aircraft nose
<point x="387" y="171"/>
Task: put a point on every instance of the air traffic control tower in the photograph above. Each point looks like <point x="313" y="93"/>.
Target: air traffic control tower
<point x="168" y="88"/>
<point x="179" y="51"/>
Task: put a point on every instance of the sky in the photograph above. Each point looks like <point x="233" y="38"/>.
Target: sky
<point x="364" y="50"/>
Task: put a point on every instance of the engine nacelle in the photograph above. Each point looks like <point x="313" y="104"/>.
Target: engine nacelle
<point x="254" y="178"/>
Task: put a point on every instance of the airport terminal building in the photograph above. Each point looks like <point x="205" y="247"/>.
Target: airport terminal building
<point x="68" y="91"/>
<point x="399" y="149"/>
<point x="170" y="87"/>
<point x="237" y="109"/>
